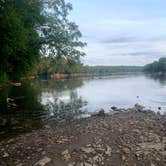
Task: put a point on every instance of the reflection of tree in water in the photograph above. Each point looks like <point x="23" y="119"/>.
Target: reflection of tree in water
<point x="30" y="113"/>
<point x="25" y="116"/>
<point x="67" y="111"/>
<point x="160" y="78"/>
<point x="58" y="85"/>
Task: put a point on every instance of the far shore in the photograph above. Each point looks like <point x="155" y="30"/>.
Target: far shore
<point x="56" y="76"/>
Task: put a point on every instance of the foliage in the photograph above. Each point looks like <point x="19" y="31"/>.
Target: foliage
<point x="19" y="39"/>
<point x="61" y="36"/>
<point x="30" y="29"/>
<point x="51" y="65"/>
<point x="107" y="70"/>
<point x="156" y="66"/>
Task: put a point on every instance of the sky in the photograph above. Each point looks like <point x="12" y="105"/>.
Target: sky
<point x="121" y="32"/>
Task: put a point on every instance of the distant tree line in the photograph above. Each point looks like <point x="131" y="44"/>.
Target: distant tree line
<point x="33" y="29"/>
<point x="107" y="70"/>
<point x="49" y="65"/>
<point x="156" y="67"/>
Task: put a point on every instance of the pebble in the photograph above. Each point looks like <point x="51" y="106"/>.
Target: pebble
<point x="66" y="155"/>
<point x="6" y="155"/>
<point x="43" y="161"/>
<point x="87" y="150"/>
<point x="109" y="151"/>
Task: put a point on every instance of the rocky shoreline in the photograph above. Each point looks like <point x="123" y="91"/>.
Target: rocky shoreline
<point x="124" y="137"/>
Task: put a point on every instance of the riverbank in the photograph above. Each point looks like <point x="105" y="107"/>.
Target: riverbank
<point x="124" y="137"/>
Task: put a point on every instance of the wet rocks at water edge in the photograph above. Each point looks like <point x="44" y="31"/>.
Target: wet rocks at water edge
<point x="100" y="113"/>
<point x="139" y="107"/>
<point x="114" y="108"/>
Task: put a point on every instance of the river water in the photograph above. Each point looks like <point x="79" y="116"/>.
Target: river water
<point x="38" y="102"/>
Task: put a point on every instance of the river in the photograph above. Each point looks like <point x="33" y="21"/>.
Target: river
<point x="39" y="102"/>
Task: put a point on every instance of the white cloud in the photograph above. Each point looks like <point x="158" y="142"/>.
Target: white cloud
<point x="136" y="53"/>
<point x="124" y="42"/>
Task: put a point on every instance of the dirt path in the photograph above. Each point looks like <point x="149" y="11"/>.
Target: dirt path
<point x="126" y="138"/>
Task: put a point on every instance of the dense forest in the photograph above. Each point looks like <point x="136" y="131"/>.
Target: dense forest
<point x="30" y="31"/>
<point x="156" y="67"/>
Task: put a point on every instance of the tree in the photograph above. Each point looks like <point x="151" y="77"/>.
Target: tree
<point x="61" y="36"/>
<point x="20" y="42"/>
<point x="30" y="29"/>
<point x="162" y="64"/>
<point x="156" y="66"/>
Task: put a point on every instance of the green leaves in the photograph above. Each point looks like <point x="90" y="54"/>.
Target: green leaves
<point x="157" y="66"/>
<point x="31" y="28"/>
<point x="17" y="34"/>
<point x="61" y="35"/>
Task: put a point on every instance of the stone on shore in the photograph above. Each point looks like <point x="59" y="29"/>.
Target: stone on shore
<point x="43" y="161"/>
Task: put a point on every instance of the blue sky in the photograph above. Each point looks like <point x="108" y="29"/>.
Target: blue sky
<point x="121" y="32"/>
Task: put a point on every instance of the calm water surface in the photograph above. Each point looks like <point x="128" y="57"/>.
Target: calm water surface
<point x="52" y="101"/>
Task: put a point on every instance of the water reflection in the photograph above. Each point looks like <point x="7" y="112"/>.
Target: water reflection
<point x="36" y="103"/>
<point x="66" y="109"/>
<point x="24" y="116"/>
<point x="160" y="78"/>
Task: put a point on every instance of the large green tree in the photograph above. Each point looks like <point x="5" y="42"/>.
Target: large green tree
<point x="19" y="39"/>
<point x="32" y="28"/>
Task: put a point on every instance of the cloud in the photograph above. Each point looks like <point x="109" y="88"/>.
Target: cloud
<point x="151" y="54"/>
<point x="102" y="29"/>
<point x="125" y="53"/>
<point x="124" y="42"/>
<point x="118" y="39"/>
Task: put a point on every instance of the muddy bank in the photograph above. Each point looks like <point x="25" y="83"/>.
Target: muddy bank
<point x="132" y="137"/>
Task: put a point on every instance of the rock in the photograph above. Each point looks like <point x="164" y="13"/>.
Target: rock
<point x="10" y="140"/>
<point x="138" y="155"/>
<point x="43" y="161"/>
<point x="123" y="158"/>
<point x="114" y="108"/>
<point x="85" y="164"/>
<point x="20" y="164"/>
<point x="163" y="153"/>
<point x="87" y="150"/>
<point x="98" y="158"/>
<point x="126" y="150"/>
<point x="139" y="107"/>
<point x="152" y="164"/>
<point x="16" y="84"/>
<point x="108" y="151"/>
<point x="3" y="122"/>
<point x="66" y="155"/>
<point x="137" y="131"/>
<point x="44" y="153"/>
<point x="6" y="155"/>
<point x="101" y="112"/>
<point x="47" y="127"/>
<point x="71" y="164"/>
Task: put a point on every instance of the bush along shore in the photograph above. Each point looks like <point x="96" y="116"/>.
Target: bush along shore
<point x="123" y="137"/>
